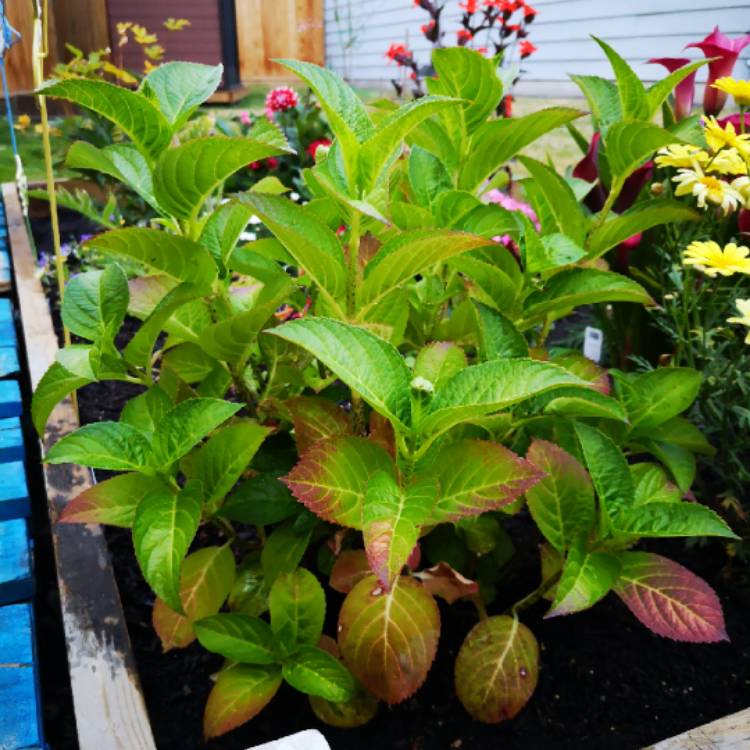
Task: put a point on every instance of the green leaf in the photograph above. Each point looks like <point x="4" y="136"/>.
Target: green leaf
<point x="684" y="434"/>
<point x="315" y="419"/>
<point x="562" y="502"/>
<point x="603" y="99"/>
<point x="223" y="229"/>
<point x="225" y="456"/>
<point x="391" y="522"/>
<point x="492" y="286"/>
<point x="380" y="148"/>
<point x="609" y="470"/>
<point x="146" y="410"/>
<point x="164" y="526"/>
<point x="629" y="144"/>
<point x="178" y="257"/>
<point x="411" y="253"/>
<point x="367" y="364"/>
<point x="331" y="477"/>
<point x="53" y="387"/>
<point x="633" y="100"/>
<point x="582" y="286"/>
<point x="499" y="140"/>
<point x="133" y="113"/>
<point x="186" y="425"/>
<point x="497" y="669"/>
<point x="680" y="462"/>
<point x="428" y="176"/>
<point x="476" y="476"/>
<point x="581" y="402"/>
<point x="95" y="303"/>
<point x="241" y="692"/>
<point x="470" y="76"/>
<point x="103" y="445"/>
<point x="498" y="337"/>
<point x="314" y="247"/>
<point x="670" y="519"/>
<point x="283" y="550"/>
<point x="298" y="609"/>
<point x="659" y="91"/>
<point x="315" y="672"/>
<point x="185" y="176"/>
<point x="639" y="218"/>
<point x="389" y="639"/>
<point x="237" y="637"/>
<point x="112" y="502"/>
<point x="490" y="387"/>
<point x="120" y="160"/>
<point x="260" y="500"/>
<point x="652" y="485"/>
<point x="586" y="578"/>
<point x="439" y="362"/>
<point x="550" y="252"/>
<point x="181" y="87"/>
<point x="559" y="198"/>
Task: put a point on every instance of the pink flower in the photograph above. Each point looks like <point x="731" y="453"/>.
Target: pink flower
<point x="727" y="50"/>
<point x="511" y="204"/>
<point x="279" y="100"/>
<point x="685" y="91"/>
<point x="735" y="120"/>
<point x="245" y="118"/>
<point x="315" y="145"/>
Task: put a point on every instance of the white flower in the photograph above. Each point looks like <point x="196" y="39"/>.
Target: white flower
<point x="422" y="384"/>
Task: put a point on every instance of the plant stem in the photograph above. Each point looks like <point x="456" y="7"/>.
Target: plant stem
<point x="535" y="595"/>
<point x="353" y="275"/>
<point x="477" y="601"/>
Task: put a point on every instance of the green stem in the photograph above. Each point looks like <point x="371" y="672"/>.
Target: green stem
<point x="354" y="271"/>
<point x="535" y="595"/>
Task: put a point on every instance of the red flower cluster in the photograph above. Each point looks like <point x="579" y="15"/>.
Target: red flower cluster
<point x="278" y="100"/>
<point x="470" y="6"/>
<point x="509" y="7"/>
<point x="399" y="53"/>
<point x="463" y="36"/>
<point x="526" y="48"/>
<point x="315" y="145"/>
<point x="270" y="163"/>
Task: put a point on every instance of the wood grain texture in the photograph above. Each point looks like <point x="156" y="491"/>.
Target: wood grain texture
<point x="109" y="705"/>
<point x="730" y="733"/>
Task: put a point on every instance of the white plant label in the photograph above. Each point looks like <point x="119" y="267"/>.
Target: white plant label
<point x="593" y="339"/>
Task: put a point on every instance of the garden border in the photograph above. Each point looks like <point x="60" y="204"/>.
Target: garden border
<point x="109" y="705"/>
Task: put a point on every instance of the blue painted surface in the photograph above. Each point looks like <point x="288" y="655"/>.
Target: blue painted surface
<point x="8" y="361"/>
<point x="10" y="401"/>
<point x="7" y="324"/>
<point x="20" y="716"/>
<point x="15" y="562"/>
<point x="14" y="495"/>
<point x="11" y="440"/>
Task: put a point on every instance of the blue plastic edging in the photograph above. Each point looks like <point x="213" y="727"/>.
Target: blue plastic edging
<point x="16" y="584"/>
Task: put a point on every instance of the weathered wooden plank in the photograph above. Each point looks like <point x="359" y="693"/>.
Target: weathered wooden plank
<point x="14" y="495"/>
<point x="4" y="272"/>
<point x="109" y="706"/>
<point x="729" y="733"/>
<point x="15" y="562"/>
<point x="11" y="440"/>
<point x="10" y="399"/>
<point x="20" y="717"/>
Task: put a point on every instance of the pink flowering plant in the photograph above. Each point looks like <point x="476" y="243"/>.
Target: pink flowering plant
<point x="358" y="402"/>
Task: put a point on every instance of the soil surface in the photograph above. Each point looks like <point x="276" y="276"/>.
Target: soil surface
<point x="605" y="680"/>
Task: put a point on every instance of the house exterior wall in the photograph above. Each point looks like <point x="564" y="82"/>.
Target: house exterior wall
<point x="638" y="29"/>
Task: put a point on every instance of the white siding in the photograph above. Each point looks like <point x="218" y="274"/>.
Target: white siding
<point x="638" y="29"/>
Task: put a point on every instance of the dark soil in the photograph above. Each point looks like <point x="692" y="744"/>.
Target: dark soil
<point x="605" y="680"/>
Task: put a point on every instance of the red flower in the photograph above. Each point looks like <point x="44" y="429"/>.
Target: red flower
<point x="529" y="14"/>
<point x="685" y="91"/>
<point x="470" y="6"/>
<point x="278" y="100"/>
<point x="526" y="48"/>
<point x="463" y="36"/>
<point x="315" y="145"/>
<point x="427" y="27"/>
<point x="399" y="53"/>
<point x="272" y="162"/>
<point x="255" y="165"/>
<point x="507" y="106"/>
<point x="727" y="50"/>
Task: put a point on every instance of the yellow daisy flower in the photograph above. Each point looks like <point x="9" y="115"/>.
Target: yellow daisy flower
<point x="709" y="258"/>
<point x="727" y="161"/>
<point x="740" y="90"/>
<point x="707" y="189"/>
<point x="726" y="137"/>
<point x="743" y="305"/>
<point x="678" y="155"/>
<point x="742" y="186"/>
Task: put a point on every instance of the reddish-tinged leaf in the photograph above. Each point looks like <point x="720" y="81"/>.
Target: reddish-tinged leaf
<point x="316" y="419"/>
<point x="350" y="568"/>
<point x="206" y="579"/>
<point x="669" y="599"/>
<point x="111" y="502"/>
<point x="381" y="432"/>
<point x="585" y="369"/>
<point x="497" y="669"/>
<point x="331" y="477"/>
<point x="441" y="580"/>
<point x="389" y="639"/>
<point x="392" y="518"/>
<point x="562" y="503"/>
<point x="490" y="477"/>
<point x="415" y="557"/>
<point x="241" y="692"/>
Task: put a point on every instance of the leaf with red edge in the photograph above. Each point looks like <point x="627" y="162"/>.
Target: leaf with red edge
<point x="562" y="504"/>
<point x="241" y="692"/>
<point x="669" y="599"/>
<point x="350" y="568"/>
<point x="331" y="478"/>
<point x="497" y="669"/>
<point x="443" y="581"/>
<point x="112" y="502"/>
<point x="391" y="521"/>
<point x="206" y="579"/>
<point x="389" y="639"/>
<point x="476" y="476"/>
<point x="315" y="419"/>
<point x="585" y="368"/>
